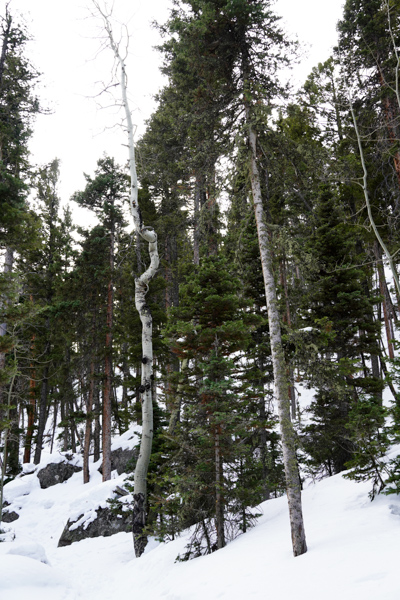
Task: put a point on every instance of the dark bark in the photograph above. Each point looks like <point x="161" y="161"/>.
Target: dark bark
<point x="88" y="425"/>
<point x="107" y="395"/>
<point x="6" y="39"/>
<point x="138" y="524"/>
<point x="31" y="410"/>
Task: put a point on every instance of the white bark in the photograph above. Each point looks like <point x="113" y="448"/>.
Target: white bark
<point x="141" y="288"/>
<point x="278" y="361"/>
<point x="368" y="203"/>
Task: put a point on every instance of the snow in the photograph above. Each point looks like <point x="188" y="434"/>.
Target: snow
<point x="127" y="440"/>
<point x="352" y="550"/>
<point x="30" y="549"/>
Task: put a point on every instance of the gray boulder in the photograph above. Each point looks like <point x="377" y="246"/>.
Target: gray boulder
<point x="120" y="459"/>
<point x="56" y="473"/>
<point x="9" y="517"/>
<point x="105" y="524"/>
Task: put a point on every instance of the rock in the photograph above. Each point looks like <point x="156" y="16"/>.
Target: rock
<point x="56" y="473"/>
<point x="9" y="517"/>
<point x="120" y="459"/>
<point x="105" y="524"/>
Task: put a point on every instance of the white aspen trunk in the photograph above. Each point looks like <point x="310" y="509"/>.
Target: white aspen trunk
<point x="141" y="288"/>
<point x="364" y="186"/>
<point x="278" y="360"/>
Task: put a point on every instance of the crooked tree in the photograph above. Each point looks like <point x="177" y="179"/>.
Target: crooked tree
<point x="141" y="286"/>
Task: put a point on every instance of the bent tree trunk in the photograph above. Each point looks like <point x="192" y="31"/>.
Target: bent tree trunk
<point x="278" y="361"/>
<point x="141" y="288"/>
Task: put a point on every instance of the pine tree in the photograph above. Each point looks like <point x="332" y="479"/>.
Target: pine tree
<point x="208" y="328"/>
<point x="104" y="194"/>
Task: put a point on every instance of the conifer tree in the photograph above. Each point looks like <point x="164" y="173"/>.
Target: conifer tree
<point x="104" y="194"/>
<point x="18" y="226"/>
<point x="208" y="328"/>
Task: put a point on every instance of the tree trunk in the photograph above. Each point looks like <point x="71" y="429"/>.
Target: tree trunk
<point x="278" y="360"/>
<point x="389" y="257"/>
<point x="176" y="406"/>
<point x="42" y="415"/>
<point x="6" y="434"/>
<point x="141" y="287"/>
<point x="107" y="395"/>
<point x="382" y="283"/>
<point x="6" y="29"/>
<point x="8" y="266"/>
<point x="198" y="202"/>
<point x="31" y="410"/>
<point x="43" y="398"/>
<point x="88" y="425"/>
<point x="97" y="426"/>
<point x="219" y="500"/>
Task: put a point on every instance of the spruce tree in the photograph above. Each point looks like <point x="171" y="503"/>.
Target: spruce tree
<point x="209" y="330"/>
<point x="104" y="194"/>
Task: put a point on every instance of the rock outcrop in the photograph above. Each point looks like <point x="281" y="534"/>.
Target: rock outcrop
<point x="105" y="524"/>
<point x="9" y="517"/>
<point x="122" y="460"/>
<point x="57" y="473"/>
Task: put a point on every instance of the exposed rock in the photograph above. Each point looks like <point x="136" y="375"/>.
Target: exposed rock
<point x="120" y="459"/>
<point x="56" y="473"/>
<point x="105" y="524"/>
<point x="9" y="517"/>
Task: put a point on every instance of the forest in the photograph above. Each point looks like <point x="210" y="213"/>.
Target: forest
<point x="262" y="263"/>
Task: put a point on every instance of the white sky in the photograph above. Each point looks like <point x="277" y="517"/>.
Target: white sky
<point x="65" y="51"/>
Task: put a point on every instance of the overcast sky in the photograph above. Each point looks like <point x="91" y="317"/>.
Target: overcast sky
<point x="65" y="51"/>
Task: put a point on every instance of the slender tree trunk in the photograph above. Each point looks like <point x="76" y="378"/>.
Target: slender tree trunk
<point x="97" y="426"/>
<point x="263" y="450"/>
<point x="88" y="425"/>
<point x="278" y="360"/>
<point x="107" y="395"/>
<point x="43" y="398"/>
<point x="176" y="407"/>
<point x="196" y="219"/>
<point x="219" y="500"/>
<point x="287" y="318"/>
<point x="6" y="29"/>
<point x="8" y="266"/>
<point x="42" y="415"/>
<point x="381" y="278"/>
<point x="389" y="257"/>
<point x="126" y="374"/>
<point x="141" y="287"/>
<point x="31" y="410"/>
<point x="54" y="426"/>
<point x="6" y="434"/>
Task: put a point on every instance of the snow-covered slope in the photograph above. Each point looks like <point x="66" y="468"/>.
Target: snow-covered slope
<point x="353" y="551"/>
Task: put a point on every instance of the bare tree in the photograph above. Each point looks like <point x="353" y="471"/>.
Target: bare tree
<point x="141" y="287"/>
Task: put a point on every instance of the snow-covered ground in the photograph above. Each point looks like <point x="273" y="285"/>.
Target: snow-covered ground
<point x="353" y="550"/>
